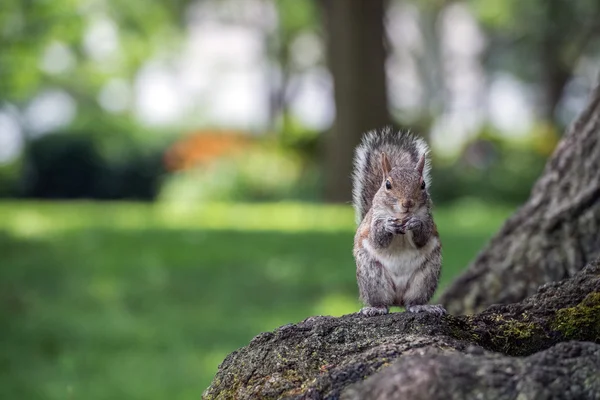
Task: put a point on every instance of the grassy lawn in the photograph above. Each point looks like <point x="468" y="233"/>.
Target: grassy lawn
<point x="135" y="301"/>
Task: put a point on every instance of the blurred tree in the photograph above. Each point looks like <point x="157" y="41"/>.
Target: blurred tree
<point x="541" y="41"/>
<point x="296" y="17"/>
<point x="356" y="56"/>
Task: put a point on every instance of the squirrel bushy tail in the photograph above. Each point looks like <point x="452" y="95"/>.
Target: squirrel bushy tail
<point x="402" y="149"/>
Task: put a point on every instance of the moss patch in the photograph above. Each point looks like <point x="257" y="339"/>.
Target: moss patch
<point x="581" y="322"/>
<point x="516" y="337"/>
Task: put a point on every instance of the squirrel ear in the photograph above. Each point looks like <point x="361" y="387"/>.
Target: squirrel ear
<point x="385" y="165"/>
<point x="421" y="165"/>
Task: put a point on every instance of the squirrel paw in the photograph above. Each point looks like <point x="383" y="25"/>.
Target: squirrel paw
<point x="410" y="223"/>
<point x="395" y="226"/>
<point x="436" y="309"/>
<point x="373" y="311"/>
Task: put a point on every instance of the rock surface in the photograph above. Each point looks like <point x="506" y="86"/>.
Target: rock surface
<point x="361" y="357"/>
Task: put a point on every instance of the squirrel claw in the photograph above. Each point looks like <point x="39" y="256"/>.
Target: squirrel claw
<point x="394" y="225"/>
<point x="410" y="223"/>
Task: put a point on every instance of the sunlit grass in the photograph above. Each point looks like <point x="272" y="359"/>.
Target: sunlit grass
<point x="143" y="301"/>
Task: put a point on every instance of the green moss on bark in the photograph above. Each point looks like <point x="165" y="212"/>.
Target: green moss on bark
<point x="517" y="337"/>
<point x="581" y="322"/>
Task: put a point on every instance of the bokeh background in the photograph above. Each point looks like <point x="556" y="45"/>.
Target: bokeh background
<point x="174" y="174"/>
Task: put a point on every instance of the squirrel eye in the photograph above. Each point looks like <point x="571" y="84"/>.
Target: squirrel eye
<point x="388" y="184"/>
<point x="423" y="185"/>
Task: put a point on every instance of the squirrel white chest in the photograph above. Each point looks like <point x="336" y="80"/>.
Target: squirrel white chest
<point x="401" y="258"/>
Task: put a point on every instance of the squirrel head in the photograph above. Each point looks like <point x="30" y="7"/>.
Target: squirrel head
<point x="403" y="189"/>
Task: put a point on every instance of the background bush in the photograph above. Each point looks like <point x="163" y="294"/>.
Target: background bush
<point x="74" y="165"/>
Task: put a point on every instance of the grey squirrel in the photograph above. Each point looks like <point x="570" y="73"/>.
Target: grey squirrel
<point x="396" y="247"/>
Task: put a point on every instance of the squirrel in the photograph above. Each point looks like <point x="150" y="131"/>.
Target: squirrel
<point x="396" y="247"/>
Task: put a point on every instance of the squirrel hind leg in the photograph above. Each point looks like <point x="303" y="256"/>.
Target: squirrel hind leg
<point x="376" y="287"/>
<point x="421" y="290"/>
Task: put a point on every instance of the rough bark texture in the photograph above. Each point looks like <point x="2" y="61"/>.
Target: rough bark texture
<point x="550" y="237"/>
<point x="439" y="357"/>
<point x="565" y="371"/>
<point x="356" y="56"/>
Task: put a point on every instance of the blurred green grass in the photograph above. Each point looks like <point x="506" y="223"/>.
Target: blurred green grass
<point x="139" y="301"/>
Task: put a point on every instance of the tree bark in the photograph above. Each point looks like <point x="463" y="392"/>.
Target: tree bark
<point x="440" y="357"/>
<point x="552" y="235"/>
<point x="566" y="371"/>
<point x="356" y="57"/>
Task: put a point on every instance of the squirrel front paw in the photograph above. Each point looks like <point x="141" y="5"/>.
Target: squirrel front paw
<point x="410" y="223"/>
<point x="395" y="226"/>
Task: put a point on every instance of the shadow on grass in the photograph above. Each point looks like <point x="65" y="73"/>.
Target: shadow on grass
<point x="101" y="313"/>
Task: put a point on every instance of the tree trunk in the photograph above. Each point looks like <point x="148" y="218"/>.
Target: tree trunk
<point x="555" y="73"/>
<point x="552" y="235"/>
<point x="356" y="56"/>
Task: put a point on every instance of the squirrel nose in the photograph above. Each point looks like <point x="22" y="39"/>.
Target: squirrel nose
<point x="407" y="203"/>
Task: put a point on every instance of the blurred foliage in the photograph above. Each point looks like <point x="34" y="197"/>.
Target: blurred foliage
<point x="135" y="301"/>
<point x="260" y="172"/>
<point x="531" y="40"/>
<point x="529" y="20"/>
<point x="297" y="19"/>
<point x="296" y="16"/>
<point x="201" y="148"/>
<point x="540" y="41"/>
<point x="61" y="165"/>
<point x="508" y="178"/>
<point x="99" y="155"/>
<point x="83" y="164"/>
<point x="235" y="168"/>
<point x="30" y="27"/>
<point x="523" y="28"/>
<point x="296" y="137"/>
<point x="208" y="167"/>
<point x="494" y="168"/>
<point x="9" y="179"/>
